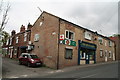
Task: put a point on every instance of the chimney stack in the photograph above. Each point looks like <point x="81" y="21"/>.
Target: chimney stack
<point x="13" y="32"/>
<point x="29" y="26"/>
<point x="22" y="29"/>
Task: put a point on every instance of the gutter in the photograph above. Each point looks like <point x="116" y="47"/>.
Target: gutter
<point x="58" y="45"/>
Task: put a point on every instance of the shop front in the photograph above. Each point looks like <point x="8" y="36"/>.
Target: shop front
<point x="86" y="53"/>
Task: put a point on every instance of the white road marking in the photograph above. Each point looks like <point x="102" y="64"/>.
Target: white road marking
<point x="51" y="72"/>
<point x="59" y="71"/>
<point x="13" y="77"/>
<point x="85" y="77"/>
<point x="24" y="75"/>
<point x="89" y="76"/>
<point x="56" y="71"/>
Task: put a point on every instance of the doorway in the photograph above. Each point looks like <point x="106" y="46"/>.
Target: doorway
<point x="87" y="56"/>
<point x="106" y="56"/>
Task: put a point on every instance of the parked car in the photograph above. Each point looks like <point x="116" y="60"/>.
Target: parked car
<point x="30" y="60"/>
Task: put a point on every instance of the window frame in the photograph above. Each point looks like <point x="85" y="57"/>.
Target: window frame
<point x="67" y="36"/>
<point x="41" y="23"/>
<point x="25" y="37"/>
<point x="36" y="37"/>
<point x="101" y="55"/>
<point x="17" y="39"/>
<point x="105" y="42"/>
<point x="7" y="43"/>
<point x="110" y="43"/>
<point x="86" y="35"/>
<point x="110" y="54"/>
<point x="11" y="41"/>
<point x="106" y="53"/>
<point x="71" y="55"/>
<point x="99" y="40"/>
<point x="15" y="51"/>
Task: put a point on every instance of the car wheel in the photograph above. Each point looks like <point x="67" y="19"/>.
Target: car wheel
<point x="20" y="63"/>
<point x="28" y="64"/>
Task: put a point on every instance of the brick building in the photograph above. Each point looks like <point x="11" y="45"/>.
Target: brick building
<point x="61" y="43"/>
<point x="17" y="43"/>
<point x="117" y="42"/>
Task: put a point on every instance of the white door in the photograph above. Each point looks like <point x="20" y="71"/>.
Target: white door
<point x="113" y="56"/>
<point x="11" y="54"/>
<point x="105" y="56"/>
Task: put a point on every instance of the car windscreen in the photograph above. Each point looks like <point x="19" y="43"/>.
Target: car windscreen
<point x="34" y="56"/>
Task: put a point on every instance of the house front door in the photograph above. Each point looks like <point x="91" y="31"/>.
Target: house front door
<point x="11" y="53"/>
<point x="105" y="56"/>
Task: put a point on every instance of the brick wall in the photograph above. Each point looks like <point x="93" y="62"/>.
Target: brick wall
<point x="47" y="46"/>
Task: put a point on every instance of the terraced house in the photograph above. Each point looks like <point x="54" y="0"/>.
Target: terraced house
<point x="61" y="43"/>
<point x="17" y="42"/>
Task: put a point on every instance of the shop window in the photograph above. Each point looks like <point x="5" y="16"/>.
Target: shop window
<point x="25" y="37"/>
<point x="68" y="53"/>
<point x="110" y="54"/>
<point x="100" y="40"/>
<point x="16" y="39"/>
<point x="101" y="53"/>
<point x="91" y="57"/>
<point x="88" y="35"/>
<point x="69" y="35"/>
<point x="83" y="55"/>
<point x="110" y="43"/>
<point x="36" y="37"/>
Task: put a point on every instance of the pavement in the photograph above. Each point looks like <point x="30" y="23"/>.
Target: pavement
<point x="0" y="66"/>
<point x="86" y="65"/>
<point x="11" y="69"/>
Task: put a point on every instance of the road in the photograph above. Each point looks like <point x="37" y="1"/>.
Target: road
<point x="99" y="71"/>
<point x="11" y="69"/>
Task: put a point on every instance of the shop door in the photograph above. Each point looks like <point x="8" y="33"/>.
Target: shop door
<point x="84" y="56"/>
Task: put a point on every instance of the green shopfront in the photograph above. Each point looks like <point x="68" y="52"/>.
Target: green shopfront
<point x="86" y="53"/>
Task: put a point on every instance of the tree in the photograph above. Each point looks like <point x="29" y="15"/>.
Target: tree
<point x="4" y="18"/>
<point x="5" y="36"/>
<point x="115" y="35"/>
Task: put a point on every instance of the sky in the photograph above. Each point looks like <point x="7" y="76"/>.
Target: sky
<point x="96" y="15"/>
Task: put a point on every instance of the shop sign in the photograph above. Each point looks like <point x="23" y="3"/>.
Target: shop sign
<point x="62" y="37"/>
<point x="87" y="45"/>
<point x="68" y="42"/>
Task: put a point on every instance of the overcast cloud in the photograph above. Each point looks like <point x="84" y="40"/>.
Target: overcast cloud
<point x="96" y="15"/>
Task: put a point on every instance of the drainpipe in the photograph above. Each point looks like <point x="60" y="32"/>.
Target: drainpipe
<point x="58" y="45"/>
